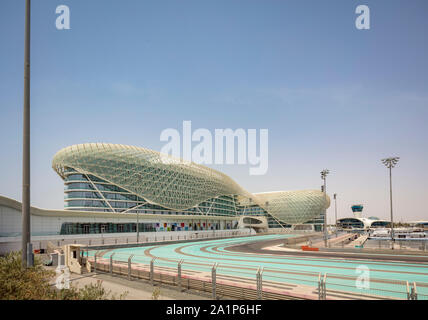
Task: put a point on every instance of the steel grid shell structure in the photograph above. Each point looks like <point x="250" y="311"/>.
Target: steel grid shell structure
<point x="294" y="207"/>
<point x="167" y="183"/>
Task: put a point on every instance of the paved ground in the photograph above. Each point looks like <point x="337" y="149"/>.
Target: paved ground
<point x="136" y="289"/>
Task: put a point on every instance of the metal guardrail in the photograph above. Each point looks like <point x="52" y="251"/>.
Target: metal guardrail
<point x="412" y="294"/>
<point x="156" y="273"/>
<point x="42" y="242"/>
<point x="322" y="292"/>
<point x="247" y="282"/>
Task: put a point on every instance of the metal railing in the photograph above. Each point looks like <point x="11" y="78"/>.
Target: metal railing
<point x="322" y="292"/>
<point x="247" y="282"/>
<point x="399" y="244"/>
<point x="41" y="242"/>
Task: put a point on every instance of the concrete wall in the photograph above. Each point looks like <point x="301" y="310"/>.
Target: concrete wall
<point x="8" y="244"/>
<point x="10" y="222"/>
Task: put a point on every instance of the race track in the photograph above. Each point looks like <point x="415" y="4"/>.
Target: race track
<point x="386" y="277"/>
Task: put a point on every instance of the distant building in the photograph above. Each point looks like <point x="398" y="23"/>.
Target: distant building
<point x="357" y="209"/>
<point x="360" y="223"/>
<point x="420" y="223"/>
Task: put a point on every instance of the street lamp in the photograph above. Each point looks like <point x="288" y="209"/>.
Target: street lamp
<point x="324" y="174"/>
<point x="390" y="163"/>
<point x="27" y="258"/>
<point x="335" y="211"/>
<point x="138" y="227"/>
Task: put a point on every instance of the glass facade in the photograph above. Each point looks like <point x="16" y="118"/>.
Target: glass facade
<point x="318" y="222"/>
<point x="90" y="193"/>
<point x="255" y="210"/>
<point x="381" y="224"/>
<point x="349" y="223"/>
<point x="92" y="228"/>
<point x="101" y="228"/>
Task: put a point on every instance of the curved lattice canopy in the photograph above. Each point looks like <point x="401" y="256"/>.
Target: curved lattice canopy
<point x="160" y="179"/>
<point x="294" y="206"/>
<point x="176" y="184"/>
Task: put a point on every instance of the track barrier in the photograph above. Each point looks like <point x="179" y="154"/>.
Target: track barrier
<point x="236" y="281"/>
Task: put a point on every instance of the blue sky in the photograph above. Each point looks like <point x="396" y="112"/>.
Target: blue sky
<point x="330" y="95"/>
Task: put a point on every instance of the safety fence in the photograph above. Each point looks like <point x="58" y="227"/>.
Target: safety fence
<point x="289" y="231"/>
<point x="42" y="243"/>
<point x="399" y="244"/>
<point x="253" y="282"/>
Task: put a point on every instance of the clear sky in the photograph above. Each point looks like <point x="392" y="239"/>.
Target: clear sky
<point x="331" y="96"/>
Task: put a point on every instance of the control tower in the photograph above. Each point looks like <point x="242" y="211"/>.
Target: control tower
<point x="357" y="209"/>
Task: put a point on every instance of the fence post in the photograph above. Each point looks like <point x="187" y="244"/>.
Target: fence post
<point x="414" y="292"/>
<point x="129" y="266"/>
<point x="322" y="294"/>
<point x="408" y="291"/>
<point x="179" y="274"/>
<point x="95" y="261"/>
<point x="324" y="287"/>
<point x="111" y="263"/>
<point x="213" y="279"/>
<point x="319" y="286"/>
<point x="260" y="283"/>
<point x="152" y="270"/>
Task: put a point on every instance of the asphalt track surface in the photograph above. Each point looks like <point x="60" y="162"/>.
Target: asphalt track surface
<point x="258" y="248"/>
<point x="240" y="258"/>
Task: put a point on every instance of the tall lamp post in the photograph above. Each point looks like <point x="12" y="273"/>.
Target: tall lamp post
<point x="324" y="174"/>
<point x="390" y="163"/>
<point x="27" y="251"/>
<point x="138" y="228"/>
<point x="335" y="211"/>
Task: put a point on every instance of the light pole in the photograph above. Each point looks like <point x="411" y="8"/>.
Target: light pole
<point x="335" y="212"/>
<point x="390" y="163"/>
<point x="324" y="174"/>
<point x="27" y="260"/>
<point x="138" y="228"/>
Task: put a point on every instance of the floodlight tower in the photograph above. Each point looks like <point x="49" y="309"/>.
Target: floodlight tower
<point x="26" y="251"/>
<point x="324" y="174"/>
<point x="390" y="163"/>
